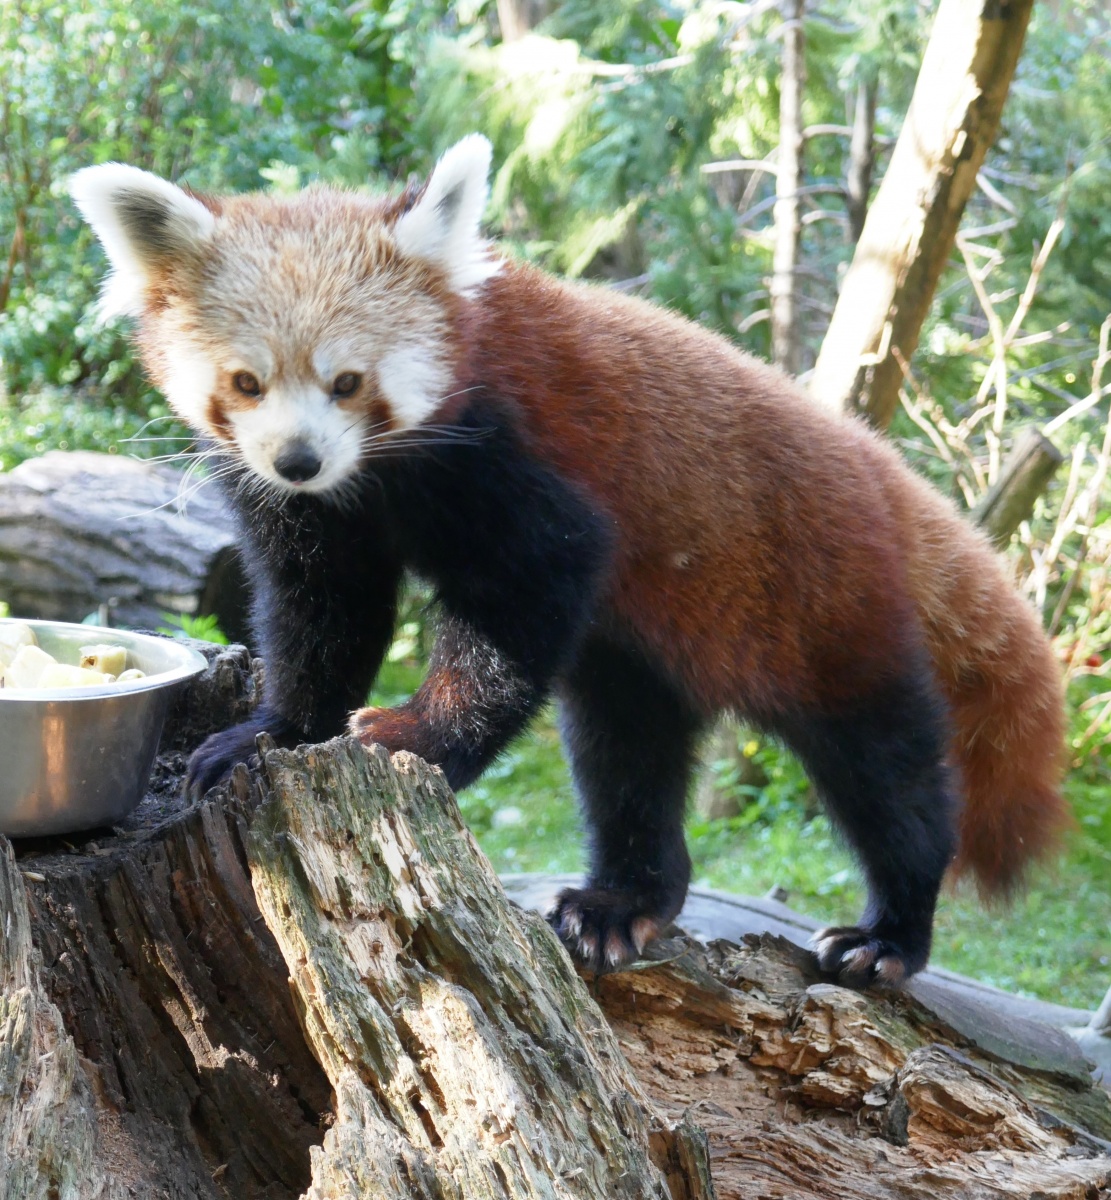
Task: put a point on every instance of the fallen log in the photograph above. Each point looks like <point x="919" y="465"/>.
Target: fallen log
<point x="81" y="531"/>
<point x="311" y="983"/>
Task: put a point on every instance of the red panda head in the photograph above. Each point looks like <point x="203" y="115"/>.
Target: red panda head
<point x="302" y="332"/>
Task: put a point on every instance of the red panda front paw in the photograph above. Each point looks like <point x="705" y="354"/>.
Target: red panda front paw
<point x="859" y="957"/>
<point x="604" y="928"/>
<point x="362" y="721"/>
<point x="393" y="728"/>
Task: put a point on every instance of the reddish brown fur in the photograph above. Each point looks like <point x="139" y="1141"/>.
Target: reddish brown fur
<point x="217" y="418"/>
<point x="771" y="554"/>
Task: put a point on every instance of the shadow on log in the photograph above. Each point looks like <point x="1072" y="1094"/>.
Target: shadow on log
<point x="311" y="983"/>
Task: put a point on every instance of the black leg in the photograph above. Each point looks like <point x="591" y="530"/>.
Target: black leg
<point x="325" y="587"/>
<point x="631" y="739"/>
<point x="516" y="555"/>
<point x="474" y="700"/>
<point x="880" y="767"/>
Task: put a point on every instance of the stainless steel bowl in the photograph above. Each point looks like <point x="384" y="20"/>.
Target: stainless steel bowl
<point x="75" y="758"/>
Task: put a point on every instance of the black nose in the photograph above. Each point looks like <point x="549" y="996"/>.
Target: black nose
<point x="297" y="462"/>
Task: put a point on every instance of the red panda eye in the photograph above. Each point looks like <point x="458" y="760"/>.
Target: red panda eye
<point x="346" y="384"/>
<point x="245" y="383"/>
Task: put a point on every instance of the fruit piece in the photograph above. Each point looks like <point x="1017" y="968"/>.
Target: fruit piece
<point x="14" y="635"/>
<point x="26" y="667"/>
<point x="131" y="675"/>
<point x="111" y="660"/>
<point x="62" y="675"/>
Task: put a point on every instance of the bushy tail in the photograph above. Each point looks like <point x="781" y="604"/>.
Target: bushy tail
<point x="1004" y="686"/>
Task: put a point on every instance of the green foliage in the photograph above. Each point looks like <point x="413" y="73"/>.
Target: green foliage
<point x="204" y="628"/>
<point x="54" y="418"/>
<point x="212" y="94"/>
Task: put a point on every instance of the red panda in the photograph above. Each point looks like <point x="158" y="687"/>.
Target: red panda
<point x="612" y="505"/>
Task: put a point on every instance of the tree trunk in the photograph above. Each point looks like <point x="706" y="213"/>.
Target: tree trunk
<point x="79" y="531"/>
<point x="171" y="989"/>
<point x="808" y="1091"/>
<point x="788" y="222"/>
<point x="467" y="1057"/>
<point x="48" y="1136"/>
<point x="311" y="983"/>
<point x="518" y="17"/>
<point x="911" y="226"/>
<point x="862" y="156"/>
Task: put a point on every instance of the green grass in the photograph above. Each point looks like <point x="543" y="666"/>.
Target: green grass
<point x="1054" y="942"/>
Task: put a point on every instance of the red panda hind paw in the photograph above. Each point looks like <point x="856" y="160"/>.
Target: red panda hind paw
<point x="603" y="928"/>
<point x="859" y="958"/>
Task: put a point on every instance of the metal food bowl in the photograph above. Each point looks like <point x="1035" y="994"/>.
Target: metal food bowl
<point x="78" y="757"/>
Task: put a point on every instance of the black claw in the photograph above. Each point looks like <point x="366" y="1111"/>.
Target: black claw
<point x="214" y="759"/>
<point x="859" y="957"/>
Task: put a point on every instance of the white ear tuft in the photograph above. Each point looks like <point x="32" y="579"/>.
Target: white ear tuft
<point x="142" y="222"/>
<point x="443" y="226"/>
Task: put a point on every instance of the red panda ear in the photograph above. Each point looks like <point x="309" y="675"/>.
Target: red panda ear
<point x="143" y="223"/>
<point x="443" y="226"/>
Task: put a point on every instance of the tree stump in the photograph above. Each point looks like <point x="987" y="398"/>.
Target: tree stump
<point x="79" y="530"/>
<point x="311" y="983"/>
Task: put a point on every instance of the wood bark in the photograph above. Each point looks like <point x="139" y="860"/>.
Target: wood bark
<point x="862" y="156"/>
<point x="467" y="1056"/>
<point x="81" y="530"/>
<point x="808" y="1091"/>
<point x="48" y="1136"/>
<point x="1025" y="474"/>
<point x="311" y="983"/>
<point x="172" y="991"/>
<point x="912" y="224"/>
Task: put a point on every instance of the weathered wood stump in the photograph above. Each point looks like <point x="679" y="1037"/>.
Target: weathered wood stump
<point x="311" y="983"/>
<point x="79" y="530"/>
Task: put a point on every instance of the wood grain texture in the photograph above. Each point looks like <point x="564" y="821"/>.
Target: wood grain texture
<point x="48" y="1136"/>
<point x="808" y="1091"/>
<point x="171" y="987"/>
<point x="468" y="1058"/>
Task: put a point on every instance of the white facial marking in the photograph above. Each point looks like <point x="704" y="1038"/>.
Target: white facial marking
<point x="189" y="382"/>
<point x="305" y="414"/>
<point x="335" y="357"/>
<point x="254" y="357"/>
<point x="443" y="227"/>
<point x="414" y="380"/>
<point x="295" y="302"/>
